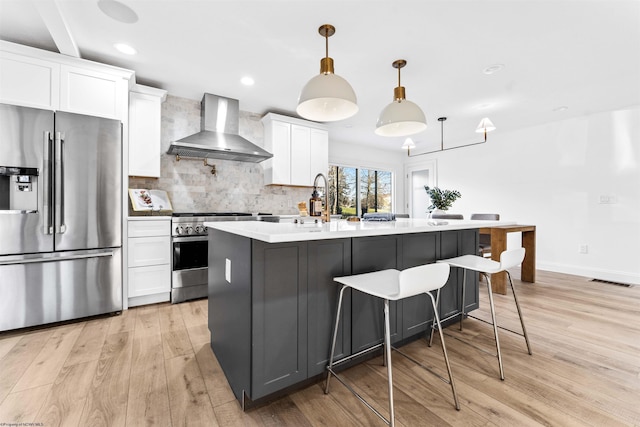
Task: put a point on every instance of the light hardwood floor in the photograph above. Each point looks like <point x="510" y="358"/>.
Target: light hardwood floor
<point x="153" y="366"/>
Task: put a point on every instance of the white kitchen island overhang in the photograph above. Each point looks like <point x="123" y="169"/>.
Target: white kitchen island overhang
<point x="272" y="232"/>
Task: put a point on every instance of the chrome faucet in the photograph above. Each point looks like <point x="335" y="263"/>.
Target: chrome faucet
<point x="326" y="217"/>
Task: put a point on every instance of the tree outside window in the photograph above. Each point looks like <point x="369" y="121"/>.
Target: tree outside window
<point x="354" y="191"/>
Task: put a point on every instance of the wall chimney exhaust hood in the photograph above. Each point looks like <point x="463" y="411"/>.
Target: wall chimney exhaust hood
<point x="219" y="137"/>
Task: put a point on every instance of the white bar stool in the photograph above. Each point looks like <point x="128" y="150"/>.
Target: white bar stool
<point x="392" y="285"/>
<point x="486" y="267"/>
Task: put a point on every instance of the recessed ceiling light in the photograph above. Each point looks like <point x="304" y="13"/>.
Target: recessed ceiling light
<point x="492" y="69"/>
<point x="118" y="11"/>
<point x="247" y="81"/>
<point x="125" y="48"/>
<point x="562" y="108"/>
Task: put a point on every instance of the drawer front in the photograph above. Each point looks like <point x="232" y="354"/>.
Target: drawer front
<point x="144" y="251"/>
<point x="37" y="293"/>
<point x="147" y="228"/>
<point x="150" y="280"/>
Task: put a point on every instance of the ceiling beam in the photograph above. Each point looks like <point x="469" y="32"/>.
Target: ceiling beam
<point x="57" y="26"/>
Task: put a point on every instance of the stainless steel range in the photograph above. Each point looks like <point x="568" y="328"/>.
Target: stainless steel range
<point x="189" y="271"/>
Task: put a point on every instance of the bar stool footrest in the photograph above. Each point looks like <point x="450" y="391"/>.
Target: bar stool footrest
<point x="449" y="317"/>
<point x="472" y="345"/>
<point x="501" y="327"/>
<point x="358" y="354"/>
<point x="426" y="368"/>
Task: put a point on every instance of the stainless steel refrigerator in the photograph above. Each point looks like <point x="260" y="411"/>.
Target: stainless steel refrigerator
<point x="60" y="216"/>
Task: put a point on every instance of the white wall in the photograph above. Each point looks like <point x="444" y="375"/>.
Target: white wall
<point x="553" y="176"/>
<point x="354" y="155"/>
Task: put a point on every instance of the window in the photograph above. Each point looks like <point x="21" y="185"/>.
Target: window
<point x="353" y="191"/>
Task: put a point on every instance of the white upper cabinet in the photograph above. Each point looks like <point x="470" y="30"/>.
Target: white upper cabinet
<point x="94" y="93"/>
<point x="41" y="79"/>
<point x="300" y="155"/>
<point x="145" y="130"/>
<point x="29" y="82"/>
<point x="300" y="150"/>
<point x="278" y="142"/>
<point x="319" y="153"/>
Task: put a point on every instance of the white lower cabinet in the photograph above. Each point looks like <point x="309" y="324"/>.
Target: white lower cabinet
<point x="149" y="260"/>
<point x="145" y="251"/>
<point x="154" y="279"/>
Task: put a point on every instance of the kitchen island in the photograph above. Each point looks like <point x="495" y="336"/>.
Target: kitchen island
<point x="272" y="297"/>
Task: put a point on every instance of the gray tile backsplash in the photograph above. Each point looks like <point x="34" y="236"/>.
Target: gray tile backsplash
<point x="236" y="186"/>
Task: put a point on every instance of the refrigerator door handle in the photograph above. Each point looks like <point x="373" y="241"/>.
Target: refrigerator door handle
<point x="59" y="183"/>
<point x="54" y="257"/>
<point x="47" y="179"/>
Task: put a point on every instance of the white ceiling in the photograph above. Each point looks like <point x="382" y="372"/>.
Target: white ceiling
<point x="581" y="54"/>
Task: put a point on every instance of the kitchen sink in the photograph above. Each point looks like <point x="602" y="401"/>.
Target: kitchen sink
<point x="292" y="219"/>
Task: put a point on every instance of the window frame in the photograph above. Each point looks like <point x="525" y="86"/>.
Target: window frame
<point x="392" y="184"/>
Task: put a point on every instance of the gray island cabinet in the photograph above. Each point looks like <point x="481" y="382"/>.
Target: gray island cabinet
<point x="272" y="304"/>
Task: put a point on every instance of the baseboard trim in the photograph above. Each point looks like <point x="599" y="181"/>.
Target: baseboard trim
<point x="592" y="273"/>
<point x="149" y="299"/>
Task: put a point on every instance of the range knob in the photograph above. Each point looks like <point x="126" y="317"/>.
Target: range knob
<point x="179" y="230"/>
<point x="198" y="229"/>
<point x="189" y="230"/>
<point x="204" y="228"/>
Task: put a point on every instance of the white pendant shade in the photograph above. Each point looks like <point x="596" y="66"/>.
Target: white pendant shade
<point x="327" y="98"/>
<point x="485" y="126"/>
<point x="408" y="144"/>
<point x="401" y="118"/>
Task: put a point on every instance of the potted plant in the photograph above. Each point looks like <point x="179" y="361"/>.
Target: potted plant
<point x="441" y="199"/>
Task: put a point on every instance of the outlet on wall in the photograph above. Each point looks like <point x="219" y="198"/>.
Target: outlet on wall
<point x="227" y="270"/>
<point x="607" y="199"/>
<point x="583" y="249"/>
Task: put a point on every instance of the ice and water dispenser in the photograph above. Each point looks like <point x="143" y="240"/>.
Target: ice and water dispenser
<point x="18" y="189"/>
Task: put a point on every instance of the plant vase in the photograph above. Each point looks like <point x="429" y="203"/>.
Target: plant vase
<point x="441" y="200"/>
<point x="436" y="212"/>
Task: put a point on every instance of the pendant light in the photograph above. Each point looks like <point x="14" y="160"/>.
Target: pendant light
<point x="485" y="126"/>
<point x="327" y="97"/>
<point x="408" y="145"/>
<point x="401" y="117"/>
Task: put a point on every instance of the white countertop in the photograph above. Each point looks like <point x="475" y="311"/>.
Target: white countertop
<point x="274" y="232"/>
<point x="149" y="217"/>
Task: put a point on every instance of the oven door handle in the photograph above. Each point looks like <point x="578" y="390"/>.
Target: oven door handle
<point x="180" y="239"/>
